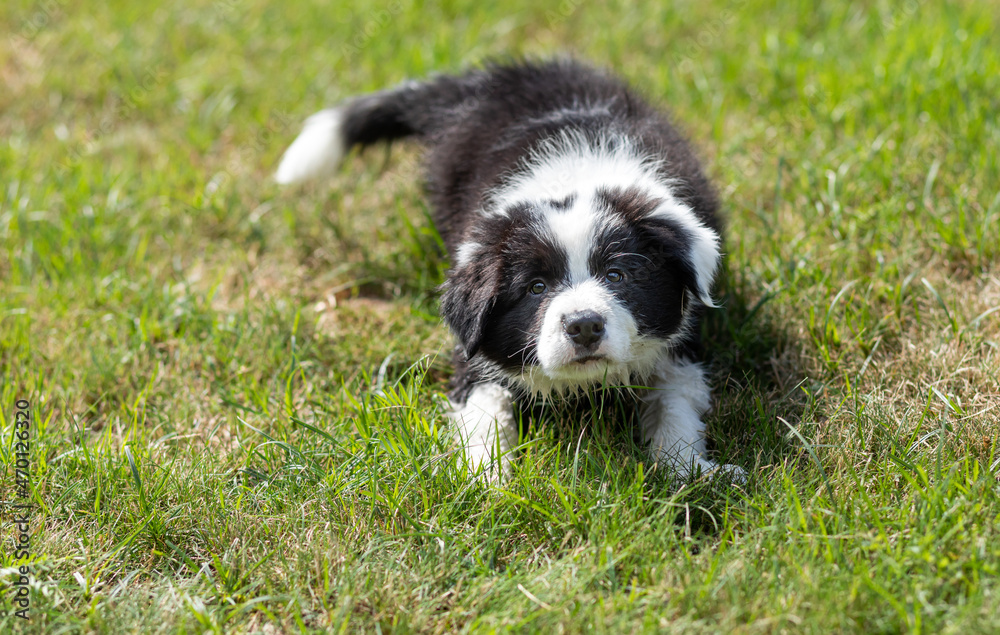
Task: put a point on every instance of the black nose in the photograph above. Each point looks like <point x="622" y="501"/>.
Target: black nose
<point x="584" y="327"/>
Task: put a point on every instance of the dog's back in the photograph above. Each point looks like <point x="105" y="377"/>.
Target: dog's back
<point x="480" y="126"/>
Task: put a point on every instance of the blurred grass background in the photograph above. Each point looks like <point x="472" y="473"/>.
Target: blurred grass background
<point x="273" y="363"/>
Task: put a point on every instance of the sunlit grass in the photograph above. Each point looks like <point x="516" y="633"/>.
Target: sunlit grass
<point x="238" y="389"/>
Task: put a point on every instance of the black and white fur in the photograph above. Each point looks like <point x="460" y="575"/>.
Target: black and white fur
<point x="583" y="238"/>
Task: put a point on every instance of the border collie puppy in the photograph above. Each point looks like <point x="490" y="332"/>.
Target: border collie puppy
<point x="583" y="240"/>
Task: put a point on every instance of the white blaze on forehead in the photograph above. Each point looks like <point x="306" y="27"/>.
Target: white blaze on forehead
<point x="573" y="230"/>
<point x="571" y="163"/>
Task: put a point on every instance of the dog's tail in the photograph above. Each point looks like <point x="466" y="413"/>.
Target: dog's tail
<point x="412" y="109"/>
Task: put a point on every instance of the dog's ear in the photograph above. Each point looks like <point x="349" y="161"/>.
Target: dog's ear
<point x="673" y="236"/>
<point x="695" y="254"/>
<point x="470" y="294"/>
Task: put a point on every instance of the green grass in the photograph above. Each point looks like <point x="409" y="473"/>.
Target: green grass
<point x="237" y="388"/>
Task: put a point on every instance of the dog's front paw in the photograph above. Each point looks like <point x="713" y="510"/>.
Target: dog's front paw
<point x="736" y="474"/>
<point x="487" y="431"/>
<point x="481" y="464"/>
<point x="705" y="468"/>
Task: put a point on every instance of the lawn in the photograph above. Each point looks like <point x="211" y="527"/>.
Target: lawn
<point x="235" y="390"/>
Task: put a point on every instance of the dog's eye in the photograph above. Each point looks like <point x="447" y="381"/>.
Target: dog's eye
<point x="614" y="275"/>
<point x="537" y="287"/>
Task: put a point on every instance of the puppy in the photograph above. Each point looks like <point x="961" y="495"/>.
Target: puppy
<point x="583" y="239"/>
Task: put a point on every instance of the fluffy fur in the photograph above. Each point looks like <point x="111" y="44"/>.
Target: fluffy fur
<point x="583" y="236"/>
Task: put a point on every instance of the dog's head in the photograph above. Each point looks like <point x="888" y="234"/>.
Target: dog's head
<point x="586" y="288"/>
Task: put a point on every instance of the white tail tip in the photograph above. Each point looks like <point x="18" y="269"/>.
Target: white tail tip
<point x="317" y="151"/>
